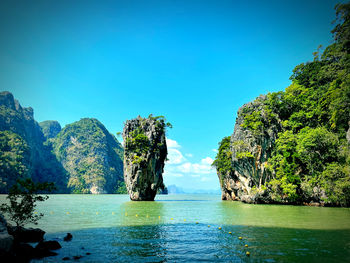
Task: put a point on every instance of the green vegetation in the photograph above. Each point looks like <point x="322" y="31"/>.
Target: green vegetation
<point x="310" y="158"/>
<point x="22" y="201"/>
<point x="50" y="129"/>
<point x="121" y="188"/>
<point x="223" y="159"/>
<point x="312" y="150"/>
<point x="14" y="158"/>
<point x="137" y="143"/>
<point x="91" y="155"/>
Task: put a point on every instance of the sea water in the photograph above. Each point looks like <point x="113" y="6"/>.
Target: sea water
<point x="192" y="228"/>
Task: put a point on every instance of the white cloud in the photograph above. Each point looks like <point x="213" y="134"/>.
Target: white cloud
<point x="207" y="160"/>
<point x="180" y="169"/>
<point x="172" y="144"/>
<point x="205" y="179"/>
<point x="167" y="173"/>
<point x="215" y="150"/>
<point x="175" y="156"/>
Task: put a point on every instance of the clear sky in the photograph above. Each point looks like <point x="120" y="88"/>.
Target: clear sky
<point x="195" y="62"/>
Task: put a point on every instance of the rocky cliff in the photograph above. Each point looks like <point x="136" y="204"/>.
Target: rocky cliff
<point x="91" y="156"/>
<point x="292" y="146"/>
<point x="50" y="129"/>
<point x="83" y="157"/>
<point x="22" y="149"/>
<point x="251" y="144"/>
<point x="144" y="155"/>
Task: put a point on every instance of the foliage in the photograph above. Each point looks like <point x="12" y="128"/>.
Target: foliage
<point x="23" y="149"/>
<point x="50" y="129"/>
<point x="137" y="142"/>
<point x="223" y="159"/>
<point x="312" y="116"/>
<point x="121" y="188"/>
<point x="23" y="197"/>
<point x="14" y="158"/>
<point x="335" y="180"/>
<point x="91" y="155"/>
<point x="161" y="121"/>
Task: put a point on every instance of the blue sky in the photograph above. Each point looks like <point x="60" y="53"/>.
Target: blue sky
<point x="195" y="62"/>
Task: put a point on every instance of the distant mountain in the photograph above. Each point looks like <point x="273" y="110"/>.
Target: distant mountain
<point x="23" y="152"/>
<point x="83" y="157"/>
<point x="50" y="129"/>
<point x="173" y="189"/>
<point x="91" y="155"/>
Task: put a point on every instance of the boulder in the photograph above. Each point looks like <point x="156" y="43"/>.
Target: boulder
<point x="50" y="245"/>
<point x="24" y="252"/>
<point x="22" y="234"/>
<point x="6" y="240"/>
<point x="144" y="155"/>
<point x="68" y="237"/>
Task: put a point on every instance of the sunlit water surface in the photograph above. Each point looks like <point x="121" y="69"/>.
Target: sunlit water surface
<point x="185" y="228"/>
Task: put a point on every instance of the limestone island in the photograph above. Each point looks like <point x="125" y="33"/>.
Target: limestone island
<point x="145" y="152"/>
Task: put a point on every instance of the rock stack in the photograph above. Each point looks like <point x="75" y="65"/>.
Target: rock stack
<point x="144" y="155"/>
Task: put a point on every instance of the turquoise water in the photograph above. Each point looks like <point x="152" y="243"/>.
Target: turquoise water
<point x="185" y="228"/>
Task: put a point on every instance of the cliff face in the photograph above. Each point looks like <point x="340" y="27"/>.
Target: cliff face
<point x="23" y="152"/>
<point x="91" y="156"/>
<point x="144" y="157"/>
<point x="50" y="129"/>
<point x="251" y="146"/>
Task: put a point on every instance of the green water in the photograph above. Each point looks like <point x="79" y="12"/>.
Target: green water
<point x="185" y="228"/>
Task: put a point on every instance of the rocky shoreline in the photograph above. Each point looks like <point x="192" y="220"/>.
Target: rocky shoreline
<point x="21" y="245"/>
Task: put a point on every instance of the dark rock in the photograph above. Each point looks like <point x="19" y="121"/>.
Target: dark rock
<point x="68" y="237"/>
<point x="88" y="253"/>
<point x="66" y="258"/>
<point x="50" y="245"/>
<point x="22" y="234"/>
<point x="24" y="251"/>
<point x="6" y="240"/>
<point x="77" y="257"/>
<point x="144" y="156"/>
<point x="44" y="252"/>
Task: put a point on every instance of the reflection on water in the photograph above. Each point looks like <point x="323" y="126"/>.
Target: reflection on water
<point x="197" y="242"/>
<point x="174" y="229"/>
<point x="141" y="213"/>
<point x="284" y="216"/>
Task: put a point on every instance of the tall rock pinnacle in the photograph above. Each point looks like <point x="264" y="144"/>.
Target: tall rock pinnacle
<point x="144" y="155"/>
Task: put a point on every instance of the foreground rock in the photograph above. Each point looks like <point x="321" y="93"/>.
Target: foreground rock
<point x="22" y="234"/>
<point x="144" y="156"/>
<point x="68" y="237"/>
<point x="6" y="240"/>
<point x="48" y="245"/>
